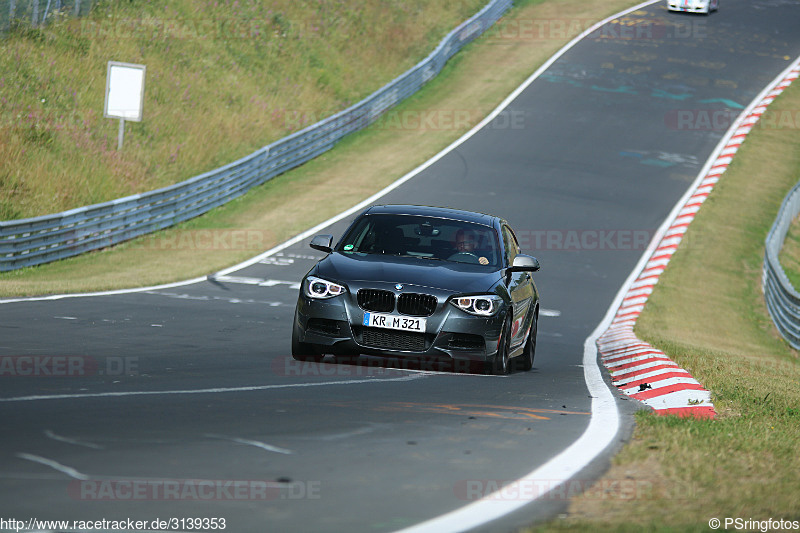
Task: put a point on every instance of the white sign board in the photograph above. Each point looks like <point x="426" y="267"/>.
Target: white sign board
<point x="124" y="91"/>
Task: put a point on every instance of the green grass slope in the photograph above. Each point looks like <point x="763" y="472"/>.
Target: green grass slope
<point x="224" y="77"/>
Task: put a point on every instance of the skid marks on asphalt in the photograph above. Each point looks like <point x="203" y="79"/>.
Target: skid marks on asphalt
<point x="469" y="410"/>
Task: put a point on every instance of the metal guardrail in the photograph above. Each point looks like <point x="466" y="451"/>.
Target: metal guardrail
<point x="43" y="239"/>
<point x="783" y="300"/>
<point x="36" y="12"/>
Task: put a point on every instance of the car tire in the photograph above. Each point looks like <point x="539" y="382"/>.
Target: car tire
<point x="302" y="351"/>
<point x="526" y="359"/>
<point x="499" y="366"/>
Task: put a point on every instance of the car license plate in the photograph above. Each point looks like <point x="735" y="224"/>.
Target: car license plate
<point x="403" y="323"/>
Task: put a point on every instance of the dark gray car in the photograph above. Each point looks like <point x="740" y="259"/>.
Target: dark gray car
<point x="420" y="282"/>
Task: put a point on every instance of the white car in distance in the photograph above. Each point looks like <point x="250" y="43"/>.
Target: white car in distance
<point x="693" y="6"/>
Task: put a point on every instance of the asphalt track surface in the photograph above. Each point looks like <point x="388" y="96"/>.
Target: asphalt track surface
<point x="196" y="382"/>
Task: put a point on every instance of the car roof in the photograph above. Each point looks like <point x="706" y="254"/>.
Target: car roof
<point x="438" y="212"/>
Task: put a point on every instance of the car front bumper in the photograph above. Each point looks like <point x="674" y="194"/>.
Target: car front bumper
<point x="334" y="326"/>
<point x="691" y="7"/>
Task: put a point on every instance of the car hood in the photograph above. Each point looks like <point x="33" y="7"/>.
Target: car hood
<point x="443" y="275"/>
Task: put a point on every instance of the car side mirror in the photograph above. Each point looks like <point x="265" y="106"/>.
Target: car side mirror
<point x="323" y="243"/>
<point x="524" y="263"/>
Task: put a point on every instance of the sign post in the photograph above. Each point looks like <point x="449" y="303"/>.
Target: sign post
<point x="124" y="94"/>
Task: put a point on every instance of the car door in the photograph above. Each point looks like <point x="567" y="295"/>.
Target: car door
<point x="520" y="288"/>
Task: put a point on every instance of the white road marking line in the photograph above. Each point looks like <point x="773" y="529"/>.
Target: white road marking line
<point x="208" y="391"/>
<point x="71" y="472"/>
<point x="249" y="442"/>
<point x="65" y="317"/>
<point x="286" y="259"/>
<point x="604" y="422"/>
<point x="349" y="434"/>
<point x="277" y="261"/>
<point x="549" y="312"/>
<point x="49" y="434"/>
<point x="255" y="281"/>
<point x="185" y="296"/>
<point x="53" y="297"/>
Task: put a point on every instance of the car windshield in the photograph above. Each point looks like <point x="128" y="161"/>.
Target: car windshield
<point x="423" y="237"/>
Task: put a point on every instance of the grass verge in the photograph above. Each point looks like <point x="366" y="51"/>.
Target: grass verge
<point x="708" y="314"/>
<point x="223" y="79"/>
<point x="470" y="86"/>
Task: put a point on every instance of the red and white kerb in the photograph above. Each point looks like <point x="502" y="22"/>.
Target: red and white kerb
<point x="637" y="369"/>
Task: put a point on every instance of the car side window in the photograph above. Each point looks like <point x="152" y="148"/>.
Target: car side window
<point x="510" y="245"/>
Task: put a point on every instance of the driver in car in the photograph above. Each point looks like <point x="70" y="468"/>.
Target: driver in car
<point x="466" y="244"/>
<point x="466" y="241"/>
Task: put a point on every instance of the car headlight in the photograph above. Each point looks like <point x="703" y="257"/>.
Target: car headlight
<point x="485" y="305"/>
<point x="320" y="288"/>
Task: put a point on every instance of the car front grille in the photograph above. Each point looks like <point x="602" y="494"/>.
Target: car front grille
<point x="393" y="340"/>
<point x="376" y="300"/>
<point x="416" y="304"/>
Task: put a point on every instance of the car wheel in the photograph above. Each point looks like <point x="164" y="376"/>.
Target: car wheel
<point x="499" y="366"/>
<point x="302" y="351"/>
<point x="528" y="354"/>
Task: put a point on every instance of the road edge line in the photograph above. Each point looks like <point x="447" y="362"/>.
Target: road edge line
<point x="619" y="341"/>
